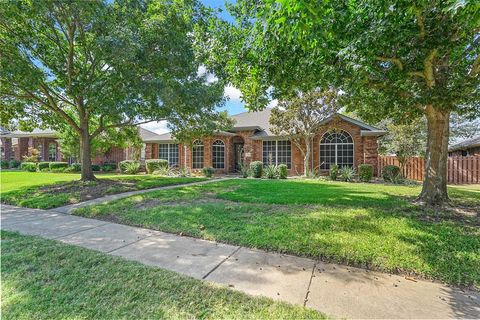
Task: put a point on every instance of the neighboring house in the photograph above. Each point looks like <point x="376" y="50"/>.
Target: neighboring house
<point x="15" y="144"/>
<point x="345" y="142"/>
<point x="352" y="143"/>
<point x="470" y="147"/>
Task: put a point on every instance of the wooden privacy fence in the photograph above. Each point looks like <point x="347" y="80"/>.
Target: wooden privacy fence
<point x="460" y="170"/>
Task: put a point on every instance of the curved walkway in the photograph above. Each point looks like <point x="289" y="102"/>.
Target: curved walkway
<point x="333" y="289"/>
<point x="69" y="209"/>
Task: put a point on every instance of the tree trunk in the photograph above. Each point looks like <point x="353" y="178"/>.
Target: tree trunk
<point x="306" y="158"/>
<point x="85" y="154"/>
<point x="434" y="190"/>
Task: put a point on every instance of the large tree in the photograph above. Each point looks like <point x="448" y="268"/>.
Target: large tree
<point x="301" y="117"/>
<point x="101" y="66"/>
<point x="395" y="59"/>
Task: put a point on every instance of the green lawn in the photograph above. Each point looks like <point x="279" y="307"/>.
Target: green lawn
<point x="45" y="279"/>
<point x="49" y="190"/>
<point x="368" y="225"/>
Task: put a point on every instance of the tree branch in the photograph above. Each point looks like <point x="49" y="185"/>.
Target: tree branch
<point x="428" y="65"/>
<point x="420" y="23"/>
<point x="102" y="128"/>
<point x="475" y="67"/>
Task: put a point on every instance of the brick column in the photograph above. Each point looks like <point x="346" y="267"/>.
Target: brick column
<point x="207" y="152"/>
<point x="7" y="147"/>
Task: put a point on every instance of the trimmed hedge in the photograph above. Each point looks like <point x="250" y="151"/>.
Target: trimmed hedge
<point x="76" y="167"/>
<point x="152" y="165"/>
<point x="28" y="166"/>
<point x="43" y="165"/>
<point x="14" y="164"/>
<point x="365" y="172"/>
<point x="132" y="167"/>
<point x="95" y="167"/>
<point x="4" y="164"/>
<point x="256" y="167"/>
<point x="282" y="171"/>
<point x="109" y="167"/>
<point x="58" y="165"/>
<point x="390" y="173"/>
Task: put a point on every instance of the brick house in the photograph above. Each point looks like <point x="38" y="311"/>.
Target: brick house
<point x="350" y="144"/>
<point x="470" y="147"/>
<point x="343" y="141"/>
<point x="15" y="144"/>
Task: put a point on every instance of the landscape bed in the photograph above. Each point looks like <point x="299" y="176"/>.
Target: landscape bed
<point x="374" y="226"/>
<point x="45" y="279"/>
<point x="50" y="190"/>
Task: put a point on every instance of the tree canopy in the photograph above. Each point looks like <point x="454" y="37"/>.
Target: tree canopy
<point x="100" y="66"/>
<point x="395" y="59"/>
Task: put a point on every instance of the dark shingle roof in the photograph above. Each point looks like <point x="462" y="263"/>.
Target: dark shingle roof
<point x="466" y="144"/>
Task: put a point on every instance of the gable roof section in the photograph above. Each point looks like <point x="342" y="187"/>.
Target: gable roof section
<point x="466" y="144"/>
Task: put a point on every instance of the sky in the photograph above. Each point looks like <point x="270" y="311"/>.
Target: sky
<point x="234" y="104"/>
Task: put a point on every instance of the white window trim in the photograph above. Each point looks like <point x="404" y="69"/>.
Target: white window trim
<point x="168" y="152"/>
<point x="224" y="152"/>
<point x="336" y="154"/>
<point x="276" y="151"/>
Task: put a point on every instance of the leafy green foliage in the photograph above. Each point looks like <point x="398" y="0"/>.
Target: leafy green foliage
<point x="333" y="172"/>
<point x="96" y="167"/>
<point x="14" y="164"/>
<point x="43" y="165"/>
<point x="391" y="173"/>
<point x="28" y="166"/>
<point x="56" y="165"/>
<point x="93" y="70"/>
<point x="365" y="172"/>
<point x="4" y="164"/>
<point x="107" y="167"/>
<point x="122" y="165"/>
<point x="152" y="165"/>
<point x="208" y="172"/>
<point x="256" y="167"/>
<point x="132" y="167"/>
<point x="270" y="171"/>
<point x="32" y="156"/>
<point x="282" y="171"/>
<point x="347" y="174"/>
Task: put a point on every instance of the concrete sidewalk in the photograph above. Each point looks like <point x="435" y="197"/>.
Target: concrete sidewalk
<point x="333" y="289"/>
<point x="69" y="209"/>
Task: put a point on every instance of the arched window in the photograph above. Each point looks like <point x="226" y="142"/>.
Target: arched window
<point x="336" y="147"/>
<point x="218" y="154"/>
<point x="197" y="155"/>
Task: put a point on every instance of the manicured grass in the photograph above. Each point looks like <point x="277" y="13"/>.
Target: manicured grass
<point x="49" y="190"/>
<point x="367" y="225"/>
<point x="45" y="279"/>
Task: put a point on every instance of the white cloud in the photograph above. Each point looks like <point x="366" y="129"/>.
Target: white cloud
<point x="210" y="77"/>
<point x="158" y="127"/>
<point x="233" y="94"/>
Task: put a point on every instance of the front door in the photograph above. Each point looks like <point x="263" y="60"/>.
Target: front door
<point x="238" y="156"/>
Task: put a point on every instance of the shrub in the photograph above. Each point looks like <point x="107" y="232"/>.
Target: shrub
<point x="333" y="173"/>
<point x="208" y="172"/>
<point x="59" y="169"/>
<point x="282" y="171"/>
<point x="122" y="165"/>
<point x="347" y="174"/>
<point x="365" y="172"/>
<point x="109" y="167"/>
<point x="14" y="164"/>
<point x="43" y="165"/>
<point x="270" y="171"/>
<point x="390" y="173"/>
<point x="4" y="164"/>
<point x="245" y="170"/>
<point x="33" y="155"/>
<point x="95" y="167"/>
<point x="132" y="167"/>
<point x="165" y="171"/>
<point x="57" y="165"/>
<point x="28" y="166"/>
<point x="256" y="168"/>
<point x="183" y="172"/>
<point x="155" y="164"/>
<point x="76" y="167"/>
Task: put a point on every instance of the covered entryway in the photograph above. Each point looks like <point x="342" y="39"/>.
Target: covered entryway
<point x="238" y="152"/>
